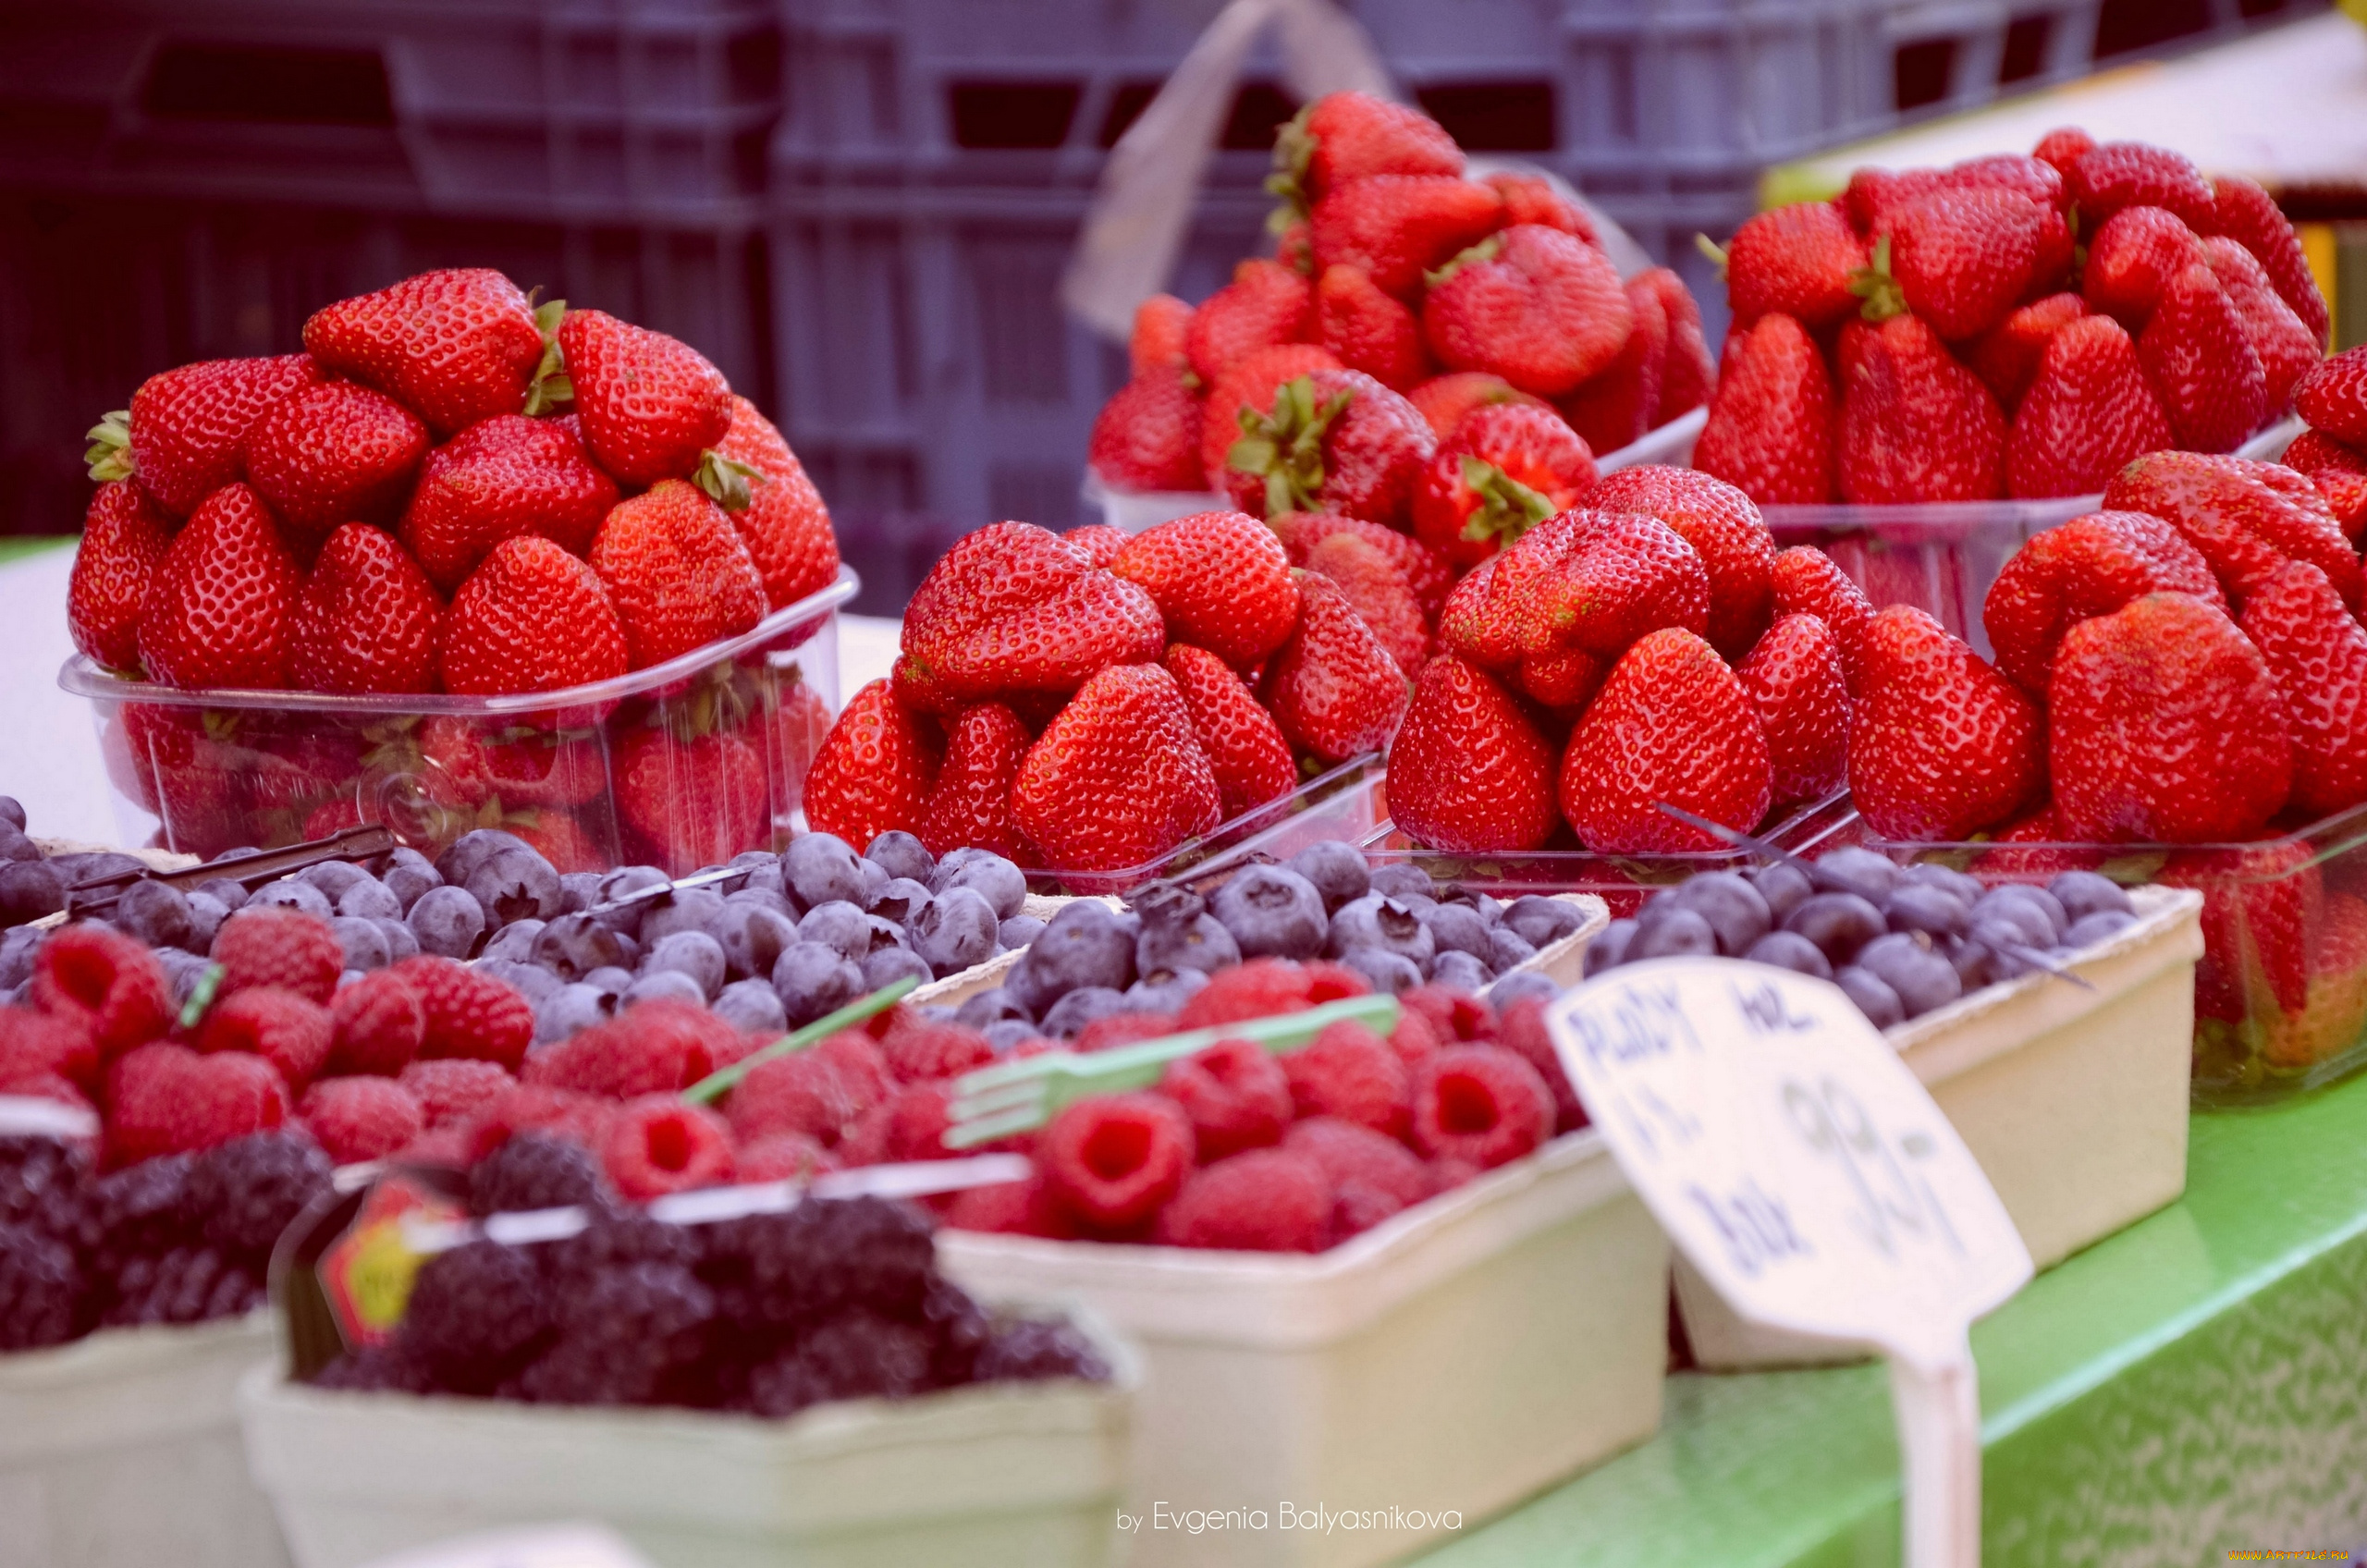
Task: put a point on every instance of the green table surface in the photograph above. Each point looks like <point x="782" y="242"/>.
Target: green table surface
<point x="2186" y="1388"/>
<point x="14" y="546"/>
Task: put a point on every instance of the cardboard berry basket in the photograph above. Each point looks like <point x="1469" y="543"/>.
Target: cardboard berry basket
<point x="682" y="764"/>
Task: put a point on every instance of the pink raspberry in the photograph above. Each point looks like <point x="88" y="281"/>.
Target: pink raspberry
<point x="34" y="1045"/>
<point x="1455" y="1017"/>
<point x="1372" y="1176"/>
<point x="1236" y="1093"/>
<point x="908" y="1125"/>
<point x="781" y="1158"/>
<point x="929" y="1051"/>
<point x="452" y="1091"/>
<point x="1266" y="1200"/>
<point x="270" y="944"/>
<point x="811" y="1093"/>
<point x="658" y="1145"/>
<point x="1112" y="1162"/>
<point x="359" y="1119"/>
<point x="1350" y="1072"/>
<point x="283" y="1028"/>
<point x="100" y="978"/>
<point x="468" y="1014"/>
<point x="1260" y="988"/>
<point x="1012" y="1208"/>
<point x="377" y="1024"/>
<point x="1481" y="1103"/>
<point x="528" y="1107"/>
<point x="653" y="1047"/>
<point x="168" y="1099"/>
<point x="1124" y="1029"/>
<point x="1522" y="1029"/>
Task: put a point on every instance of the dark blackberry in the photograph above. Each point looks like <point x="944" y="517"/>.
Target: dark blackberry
<point x="185" y="1285"/>
<point x="623" y="1337"/>
<point x="143" y="1210"/>
<point x="618" y="1239"/>
<point x="250" y="1190"/>
<point x="379" y="1370"/>
<point x="43" y="1183"/>
<point x="1026" y="1351"/>
<point x="41" y="1288"/>
<point x="958" y="1330"/>
<point x="536" y="1170"/>
<point x="857" y="1354"/>
<point x="829" y="1253"/>
<point x="476" y="1313"/>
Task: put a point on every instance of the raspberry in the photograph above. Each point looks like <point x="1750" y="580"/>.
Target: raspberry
<point x="1372" y="1176"/>
<point x="468" y="1014"/>
<point x="452" y="1092"/>
<point x="36" y="1045"/>
<point x="1329" y="982"/>
<point x="445" y="1146"/>
<point x="1414" y="1037"/>
<point x="1266" y="1200"/>
<point x="168" y="1099"/>
<point x="659" y="1047"/>
<point x="1011" y="1208"/>
<point x="1030" y="1352"/>
<point x="41" y="1181"/>
<point x="1483" y="1104"/>
<point x="359" y="1119"/>
<point x="908" y="1125"/>
<point x="1522" y="1029"/>
<point x="825" y="1256"/>
<point x="582" y="1120"/>
<point x="1454" y="1016"/>
<point x="247" y="1190"/>
<point x="1349" y="1072"/>
<point x="857" y="1057"/>
<point x="935" y="1050"/>
<point x="376" y="1024"/>
<point x="279" y="1026"/>
<point x="535" y="1170"/>
<point x="272" y="945"/>
<point x="475" y="1313"/>
<point x="813" y="1092"/>
<point x="185" y="1285"/>
<point x="98" y="975"/>
<point x="1260" y="988"/>
<point x="1236" y="1095"/>
<point x="658" y="1145"/>
<point x="782" y="1156"/>
<point x="41" y="1288"/>
<point x="854" y="1355"/>
<point x="1124" y="1029"/>
<point x="621" y="1336"/>
<point x="1112" y="1162"/>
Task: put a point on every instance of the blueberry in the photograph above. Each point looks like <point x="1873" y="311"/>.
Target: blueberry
<point x="408" y="875"/>
<point x="955" y="931"/>
<point x="992" y="1005"/>
<point x="1490" y="911"/>
<point x="1789" y="950"/>
<point x="900" y="900"/>
<point x="16" y="846"/>
<point x="812" y="979"/>
<point x="287" y="893"/>
<point x="1974" y="962"/>
<point x="694" y="953"/>
<point x="626" y="880"/>
<point x="1921" y="976"/>
<point x="888" y="966"/>
<point x="1868" y="875"/>
<point x="1665" y="931"/>
<point x="17" y="956"/>
<point x="472" y="849"/>
<point x="1837" y="923"/>
<point x="1018" y="931"/>
<point x="2102" y="925"/>
<point x="515" y="941"/>
<point x="402" y="942"/>
<point x="1458" y="928"/>
<point x="367" y="897"/>
<point x="157" y="914"/>
<point x="612" y="979"/>
<point x="2083" y="893"/>
<point x="30" y="890"/>
<point x="1401" y="881"/>
<point x="1165" y="995"/>
<point x="762" y="876"/>
<point x="514" y="885"/>
<point x="334" y="876"/>
<point x="818" y="868"/>
<point x="1379" y="921"/>
<point x="875" y="876"/>
<point x="1735" y="912"/>
<point x="1459" y="971"/>
<point x="94" y="864"/>
<point x="1202" y="945"/>
<point x="667" y="983"/>
<point x="901" y="854"/>
<point x="1272" y="911"/>
<point x="688" y="909"/>
<point x="1519" y="989"/>
<point x="752" y="936"/>
<point x="1783" y="887"/>
<point x="1392" y="972"/>
<point x="751" y="1007"/>
<point x="1083" y="946"/>
<point x="1948" y="879"/>
<point x="571" y="1010"/>
<point x="837" y="923"/>
<point x="531" y="981"/>
<point x="1541" y="922"/>
<point x="1336" y="870"/>
<point x="1608" y="949"/>
<point x="230" y="895"/>
<point x="1921" y="906"/>
<point x="2007" y="942"/>
<point x="2038" y="899"/>
<point x="1081" y="1007"/>
<point x="2000" y="906"/>
<point x="1507" y="949"/>
<point x="364" y="944"/>
<point x="1871" y="996"/>
<point x="205" y="917"/>
<point x="446" y="921"/>
<point x="182" y="970"/>
<point x="1003" y="884"/>
<point x="574" y="945"/>
<point x="772" y="898"/>
<point x="1006" y="1033"/>
<point x="577" y="890"/>
<point x="11" y="813"/>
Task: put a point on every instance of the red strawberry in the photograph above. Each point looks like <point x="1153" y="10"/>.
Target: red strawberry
<point x="1101" y="542"/>
<point x="1344" y="137"/>
<point x="2286" y="347"/>
<point x="2248" y="215"/>
<point x="1425" y="571"/>
<point x="1688" y="375"/>
<point x="1671" y="724"/>
<point x="1265" y="304"/>
<point x="2246" y="528"/>
<point x="181" y="436"/>
<point x="1117" y="778"/>
<point x="677" y="572"/>
<point x="1161" y="323"/>
<point x="1531" y="305"/>
<point x="1146" y="437"/>
<point x="1619" y="403"/>
<point x="1221" y="580"/>
<point x="2090" y="410"/>
<point x="367" y="619"/>
<point x="1533" y="199"/>
<point x="458" y="346"/>
<point x="1507" y="466"/>
<point x="2116" y="175"/>
<point x="1443" y="399"/>
<point x="2131" y="259"/>
<point x="2063" y="147"/>
<point x="1248" y="390"/>
<point x="2165" y="726"/>
<point x="1379" y="594"/>
<point x="125" y="538"/>
<point x="1335" y="440"/>
<point x="2089" y="567"/>
<point x="1793" y="677"/>
<point x="1588" y="582"/>
<point x="1873" y="194"/>
<point x="1368" y="330"/>
<point x="2007" y="357"/>
<point x="2194" y="349"/>
<point x="532" y="618"/>
<point x="875" y="770"/>
<point x="1915" y="426"/>
<point x="505" y="477"/>
<point x="223" y="605"/>
<point x="969" y="806"/>
<point x="2318" y="655"/>
<point x="2333" y="398"/>
<point x="1469" y="772"/>
<point x="1941" y="745"/>
<point x="694" y="803"/>
<point x="785" y="525"/>
<point x="1797" y="260"/>
<point x="331" y="454"/>
<point x="2340" y="474"/>
<point x="1396" y="228"/>
<point x="1771" y="420"/>
<point x="1960" y="259"/>
<point x="1011" y="611"/>
<point x="650" y="404"/>
<point x="1807" y="583"/>
<point x="1724" y="530"/>
<point x="1334" y="688"/>
<point x="2032" y="176"/>
<point x="1245" y="747"/>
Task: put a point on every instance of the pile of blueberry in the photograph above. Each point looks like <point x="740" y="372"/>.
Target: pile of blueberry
<point x="1396" y="926"/>
<point x="1900" y="941"/>
<point x="33" y="884"/>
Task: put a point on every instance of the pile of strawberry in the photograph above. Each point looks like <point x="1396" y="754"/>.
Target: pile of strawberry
<point x="450" y="490"/>
<point x="1400" y="295"/>
<point x="2012" y="326"/>
<point x="2331" y="400"/>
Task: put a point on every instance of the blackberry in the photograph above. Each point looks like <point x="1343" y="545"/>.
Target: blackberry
<point x="958" y="1330"/>
<point x="379" y="1370"/>
<point x="250" y="1190"/>
<point x="1028" y="1351"/>
<point x="623" y="1337"/>
<point x="476" y="1313"/>
<point x="829" y="1253"/>
<point x="618" y="1239"/>
<point x="41" y="1288"/>
<point x="143" y="1210"/>
<point x="43" y="1183"/>
<point x="185" y="1285"/>
<point x="536" y="1170"/>
<point x="857" y="1354"/>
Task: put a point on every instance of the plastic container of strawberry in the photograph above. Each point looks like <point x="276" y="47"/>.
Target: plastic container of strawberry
<point x="686" y="763"/>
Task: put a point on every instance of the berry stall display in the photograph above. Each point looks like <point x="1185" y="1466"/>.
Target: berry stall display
<point x="2014" y="326"/>
<point x="463" y="562"/>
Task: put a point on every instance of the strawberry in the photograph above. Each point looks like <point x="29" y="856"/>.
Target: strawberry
<point x="2006" y="356"/>
<point x="1249" y="388"/>
<point x="1368" y="330"/>
<point x="1469" y="773"/>
<point x="1915" y="426"/>
<point x="2335" y="1014"/>
<point x="221" y="609"/>
<point x="2246" y="214"/>
<point x="1507" y="466"/>
<point x="1379" y="594"/>
<point x="181" y="436"/>
<point x="1961" y="259"/>
<point x="331" y="454"/>
<point x="677" y="572"/>
<point x="505" y="477"/>
<point x="2194" y="349"/>
<point x="2063" y="148"/>
<point x="1397" y="227"/>
<point x="1941" y="745"/>
<point x="1344" y="137"/>
<point x="1333" y="686"/>
<point x="1872" y="195"/>
<point x="1531" y="305"/>
<point x="505" y="761"/>
<point x="1267" y="303"/>
<point x="530" y="618"/>
<point x="2132" y="258"/>
<point x="2166" y="727"/>
<point x="2262" y="907"/>
<point x="367" y="620"/>
<point x="1117" y="778"/>
<point x="1688" y="374"/>
<point x="2088" y="567"/>
<point x="1806" y="582"/>
<point x="1796" y="260"/>
<point x="2318" y="655"/>
<point x="1444" y="401"/>
<point x="1335" y="440"/>
<point x="456" y="346"/>
<point x="2333" y="398"/>
<point x="1245" y="747"/>
<point x="875" y="770"/>
<point x="125" y="537"/>
<point x="2245" y="528"/>
<point x="2031" y="177"/>
<point x="694" y="802"/>
<point x="650" y="404"/>
<point x="2118" y="175"/>
<point x="969" y="806"/>
<point x="1221" y="580"/>
<point x="1793" y="677"/>
<point x="1426" y="572"/>
<point x="1146" y="437"/>
<point x="785" y="525"/>
<point x="1724" y="529"/>
<point x="1771" y="419"/>
<point x="2089" y="411"/>
<point x="1671" y="724"/>
<point x="1161" y="322"/>
<point x="1099" y="541"/>
<point x="2339" y="473"/>
<point x="174" y="762"/>
<point x="1532" y="199"/>
<point x="1619" y="403"/>
<point x="2286" y="347"/>
<point x="1011" y="610"/>
<point x="1614" y="576"/>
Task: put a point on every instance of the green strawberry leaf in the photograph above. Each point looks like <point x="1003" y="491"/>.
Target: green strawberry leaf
<point x="1486" y="250"/>
<point x="1874" y="285"/>
<point x="727" y="480"/>
<point x="110" y="453"/>
<point x="1285" y="447"/>
<point x="1712" y="249"/>
<point x="1293" y="147"/>
<point x="1507" y="508"/>
<point x="551" y="386"/>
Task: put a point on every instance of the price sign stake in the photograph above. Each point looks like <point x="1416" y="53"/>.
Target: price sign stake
<point x="1799" y="1166"/>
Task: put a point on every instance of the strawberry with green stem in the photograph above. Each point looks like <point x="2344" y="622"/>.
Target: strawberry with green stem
<point x="182" y="435"/>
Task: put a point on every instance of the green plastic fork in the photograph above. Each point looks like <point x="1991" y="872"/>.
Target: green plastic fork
<point x="1012" y="1097"/>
